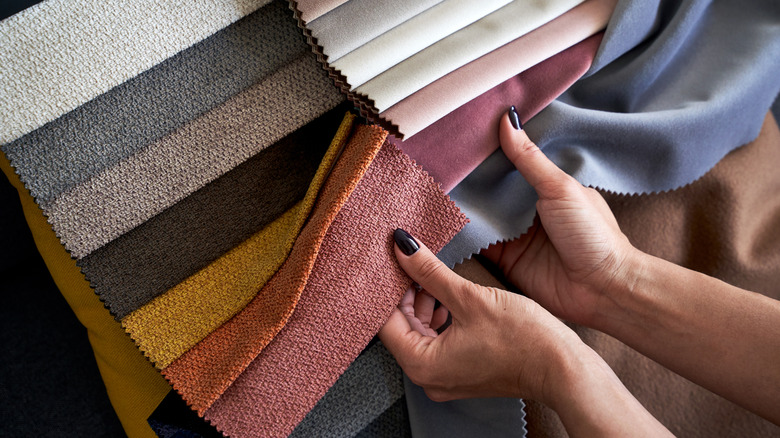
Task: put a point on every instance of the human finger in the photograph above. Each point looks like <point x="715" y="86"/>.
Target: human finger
<point x="399" y="338"/>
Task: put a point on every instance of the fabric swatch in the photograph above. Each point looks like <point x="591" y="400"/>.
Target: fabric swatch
<point x="204" y="372"/>
<point x="45" y="78"/>
<point x="455" y="145"/>
<point x="455" y="89"/>
<point x="101" y="209"/>
<point x="393" y="423"/>
<point x="618" y="130"/>
<point x="357" y="22"/>
<point x="409" y="37"/>
<point x="311" y="9"/>
<point x="130" y="116"/>
<point x="489" y="33"/>
<point x="353" y="286"/>
<point x="174" y="322"/>
<point x="727" y="225"/>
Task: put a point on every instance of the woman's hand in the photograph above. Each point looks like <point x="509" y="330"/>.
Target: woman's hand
<point x="575" y="252"/>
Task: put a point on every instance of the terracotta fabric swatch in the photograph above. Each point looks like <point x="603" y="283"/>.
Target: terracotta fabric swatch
<point x="480" y="38"/>
<point x="353" y="286"/>
<point x="455" y="89"/>
<point x="455" y="145"/>
<point x="125" y="195"/>
<point x="409" y="37"/>
<point x="45" y="80"/>
<point x="357" y="22"/>
<point x="727" y="225"/>
<point x="201" y="374"/>
<point x="128" y="117"/>
<point x="175" y="321"/>
<point x="311" y="9"/>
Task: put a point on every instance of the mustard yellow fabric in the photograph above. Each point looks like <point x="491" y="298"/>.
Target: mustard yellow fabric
<point x="168" y="326"/>
<point x="134" y="387"/>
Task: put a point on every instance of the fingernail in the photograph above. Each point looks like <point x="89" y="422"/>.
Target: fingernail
<point x="514" y="118"/>
<point x="405" y="241"/>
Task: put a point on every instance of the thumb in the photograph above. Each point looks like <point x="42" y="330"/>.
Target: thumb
<point x="429" y="272"/>
<point x="545" y="177"/>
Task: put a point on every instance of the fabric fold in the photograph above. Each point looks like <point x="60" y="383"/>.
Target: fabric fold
<point x="352" y="288"/>
<point x="174" y="322"/>
<point x="311" y="9"/>
<point x="204" y="372"/>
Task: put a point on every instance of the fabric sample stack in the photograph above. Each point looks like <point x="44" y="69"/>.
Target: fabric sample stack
<point x="220" y="202"/>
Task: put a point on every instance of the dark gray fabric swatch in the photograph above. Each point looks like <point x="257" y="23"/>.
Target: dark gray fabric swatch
<point x="81" y="143"/>
<point x="155" y="256"/>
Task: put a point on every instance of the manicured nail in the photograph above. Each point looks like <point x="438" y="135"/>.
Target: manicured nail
<point x="405" y="241"/>
<point x="514" y="118"/>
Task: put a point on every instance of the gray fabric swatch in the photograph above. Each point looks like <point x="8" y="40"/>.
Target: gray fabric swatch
<point x="112" y="126"/>
<point x="357" y="22"/>
<point x="393" y="423"/>
<point x="369" y="387"/>
<point x="163" y="251"/>
<point x="482" y="417"/>
<point x="675" y="87"/>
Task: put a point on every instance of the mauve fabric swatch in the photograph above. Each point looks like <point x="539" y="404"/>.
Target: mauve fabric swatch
<point x="69" y="150"/>
<point x="620" y="131"/>
<point x="175" y="321"/>
<point x="455" y="89"/>
<point x="204" y="372"/>
<point x="127" y="194"/>
<point x="409" y="37"/>
<point x="357" y="22"/>
<point x="727" y="225"/>
<point x="311" y="9"/>
<point x="455" y="145"/>
<point x="353" y="287"/>
<point x="478" y="39"/>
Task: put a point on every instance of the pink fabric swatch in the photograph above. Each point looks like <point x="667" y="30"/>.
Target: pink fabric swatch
<point x="353" y="287"/>
<point x="434" y="101"/>
<point x="456" y="144"/>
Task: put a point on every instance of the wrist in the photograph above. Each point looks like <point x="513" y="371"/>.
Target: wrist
<point x="624" y="287"/>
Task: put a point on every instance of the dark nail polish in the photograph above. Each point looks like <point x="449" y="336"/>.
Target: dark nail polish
<point x="405" y="241"/>
<point x="514" y="118"/>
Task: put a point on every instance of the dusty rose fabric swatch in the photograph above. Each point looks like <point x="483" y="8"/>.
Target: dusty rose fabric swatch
<point x="727" y="225"/>
<point x="439" y="98"/>
<point x="354" y="285"/>
<point x="201" y="374"/>
<point x="455" y="145"/>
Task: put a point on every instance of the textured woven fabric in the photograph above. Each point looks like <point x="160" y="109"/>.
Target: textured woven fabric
<point x="174" y="322"/>
<point x="455" y="89"/>
<point x="357" y="22"/>
<point x="393" y="423"/>
<point x="127" y="194"/>
<point x="205" y="371"/>
<point x="409" y="37"/>
<point x="354" y="285"/>
<point x="98" y="134"/>
<point x="455" y="145"/>
<point x="368" y="388"/>
<point x="727" y="225"/>
<point x="45" y="78"/>
<point x="480" y="38"/>
<point x="311" y="9"/>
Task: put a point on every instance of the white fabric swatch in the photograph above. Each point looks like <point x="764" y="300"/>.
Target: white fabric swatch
<point x="410" y="37"/>
<point x="465" y="45"/>
<point x="59" y="54"/>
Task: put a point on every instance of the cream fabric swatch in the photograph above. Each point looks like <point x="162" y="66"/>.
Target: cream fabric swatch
<point x="311" y="9"/>
<point x="60" y="54"/>
<point x="448" y="93"/>
<point x="410" y="37"/>
<point x="482" y="37"/>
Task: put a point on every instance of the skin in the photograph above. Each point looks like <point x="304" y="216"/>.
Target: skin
<point x="576" y="264"/>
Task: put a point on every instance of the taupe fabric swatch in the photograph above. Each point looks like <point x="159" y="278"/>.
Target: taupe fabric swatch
<point x="186" y="237"/>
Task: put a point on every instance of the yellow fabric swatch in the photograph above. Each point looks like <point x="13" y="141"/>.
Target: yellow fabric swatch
<point x="134" y="387"/>
<point x="168" y="326"/>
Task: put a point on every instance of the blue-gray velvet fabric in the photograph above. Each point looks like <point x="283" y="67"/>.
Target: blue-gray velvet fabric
<point x="675" y="86"/>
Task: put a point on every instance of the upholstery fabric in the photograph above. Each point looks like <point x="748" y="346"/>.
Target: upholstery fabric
<point x="329" y="329"/>
<point x="311" y="9"/>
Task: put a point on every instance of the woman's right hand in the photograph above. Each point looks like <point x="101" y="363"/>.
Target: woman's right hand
<point x="574" y="251"/>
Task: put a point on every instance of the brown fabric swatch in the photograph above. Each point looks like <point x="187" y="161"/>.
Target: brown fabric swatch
<point x="150" y="259"/>
<point x="727" y="225"/>
<point x="205" y="371"/>
<point x="354" y="285"/>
